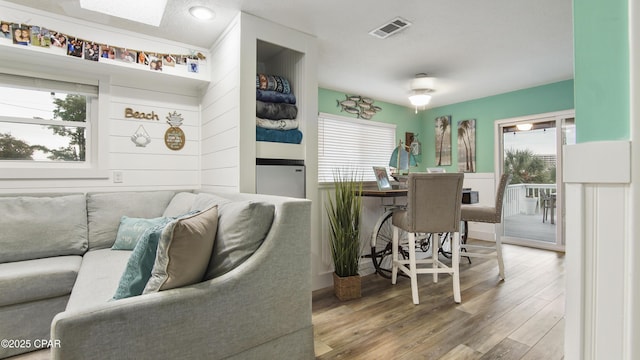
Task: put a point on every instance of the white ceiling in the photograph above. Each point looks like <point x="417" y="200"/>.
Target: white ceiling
<point x="474" y="48"/>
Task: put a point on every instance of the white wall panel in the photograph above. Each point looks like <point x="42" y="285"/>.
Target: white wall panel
<point x="224" y="140"/>
<point x="220" y="124"/>
<point x="220" y="140"/>
<point x="151" y="167"/>
<point x="227" y="158"/>
<point x="220" y="179"/>
<point x="154" y="162"/>
<point x="122" y="86"/>
<point x="598" y="238"/>
<point x="155" y="129"/>
<point x="122" y="145"/>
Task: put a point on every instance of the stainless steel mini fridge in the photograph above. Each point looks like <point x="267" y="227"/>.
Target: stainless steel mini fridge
<point x="282" y="177"/>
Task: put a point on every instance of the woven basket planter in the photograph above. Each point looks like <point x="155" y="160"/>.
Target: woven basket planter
<point x="347" y="288"/>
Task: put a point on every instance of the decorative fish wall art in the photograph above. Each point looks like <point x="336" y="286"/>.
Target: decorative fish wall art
<point x="358" y="105"/>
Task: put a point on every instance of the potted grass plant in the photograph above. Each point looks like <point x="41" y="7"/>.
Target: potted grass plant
<point x="343" y="210"/>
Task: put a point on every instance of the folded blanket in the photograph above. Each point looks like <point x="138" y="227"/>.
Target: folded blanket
<point x="282" y="136"/>
<point x="273" y="82"/>
<point x="275" y="111"/>
<point x="277" y="124"/>
<point x="275" y="97"/>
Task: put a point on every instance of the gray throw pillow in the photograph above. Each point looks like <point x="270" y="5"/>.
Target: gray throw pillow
<point x="180" y="204"/>
<point x="242" y="227"/>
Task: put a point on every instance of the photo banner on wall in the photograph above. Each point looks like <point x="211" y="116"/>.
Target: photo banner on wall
<point x="443" y="140"/>
<point x="70" y="45"/>
<point x="467" y="146"/>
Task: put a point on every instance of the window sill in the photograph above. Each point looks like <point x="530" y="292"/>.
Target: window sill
<point x="51" y="173"/>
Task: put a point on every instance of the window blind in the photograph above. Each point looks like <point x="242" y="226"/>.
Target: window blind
<point x="354" y="144"/>
<point x="48" y="85"/>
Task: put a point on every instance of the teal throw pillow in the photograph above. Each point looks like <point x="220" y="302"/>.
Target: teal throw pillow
<point x="131" y="229"/>
<point x="138" y="270"/>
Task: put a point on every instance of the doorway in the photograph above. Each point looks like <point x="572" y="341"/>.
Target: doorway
<point x="530" y="149"/>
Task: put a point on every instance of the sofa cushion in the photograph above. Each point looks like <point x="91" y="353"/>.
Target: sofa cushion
<point x="242" y="226"/>
<point x="130" y="230"/>
<point x="98" y="277"/>
<point x="105" y="210"/>
<point x="137" y="271"/>
<point x="180" y="204"/>
<point x="31" y="280"/>
<point x="184" y="251"/>
<point x="33" y="227"/>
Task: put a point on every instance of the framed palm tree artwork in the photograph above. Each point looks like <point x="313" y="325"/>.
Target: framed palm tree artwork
<point x="443" y="140"/>
<point x="467" y="146"/>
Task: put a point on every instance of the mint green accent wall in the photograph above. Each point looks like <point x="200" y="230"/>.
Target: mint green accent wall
<point x="403" y="117"/>
<point x="601" y="61"/>
<point x="541" y="99"/>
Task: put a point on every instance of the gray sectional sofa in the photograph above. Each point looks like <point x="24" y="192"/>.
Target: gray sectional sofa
<point x="58" y="275"/>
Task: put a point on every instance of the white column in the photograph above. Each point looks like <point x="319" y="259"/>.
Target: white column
<point x="599" y="301"/>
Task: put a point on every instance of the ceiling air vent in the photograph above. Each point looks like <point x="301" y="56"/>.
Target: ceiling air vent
<point x="390" y="28"/>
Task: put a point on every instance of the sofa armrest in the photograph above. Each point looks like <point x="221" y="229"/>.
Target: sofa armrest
<point x="265" y="298"/>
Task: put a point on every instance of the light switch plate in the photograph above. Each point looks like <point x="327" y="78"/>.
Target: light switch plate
<point x="117" y="176"/>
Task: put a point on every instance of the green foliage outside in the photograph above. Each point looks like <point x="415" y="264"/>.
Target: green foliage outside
<point x="14" y="149"/>
<point x="71" y="108"/>
<point x="528" y="168"/>
<point x="343" y="211"/>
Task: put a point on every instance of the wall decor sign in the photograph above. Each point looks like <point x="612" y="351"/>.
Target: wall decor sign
<point x="130" y="113"/>
<point x="358" y="105"/>
<point x="174" y="137"/>
<point x="467" y="145"/>
<point x="443" y="140"/>
<point x="141" y="138"/>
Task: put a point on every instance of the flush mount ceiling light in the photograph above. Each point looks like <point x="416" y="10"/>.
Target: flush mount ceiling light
<point x="524" y="127"/>
<point x="202" y="13"/>
<point x="143" y="11"/>
<point x="421" y="89"/>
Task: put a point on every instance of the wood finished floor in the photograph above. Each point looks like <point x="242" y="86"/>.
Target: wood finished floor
<point x="520" y="318"/>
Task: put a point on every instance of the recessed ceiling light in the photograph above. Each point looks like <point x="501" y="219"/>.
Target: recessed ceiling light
<point x="143" y="11"/>
<point x="202" y="13"/>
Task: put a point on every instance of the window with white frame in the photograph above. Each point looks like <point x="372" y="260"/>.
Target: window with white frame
<point x="355" y="144"/>
<point x="47" y="124"/>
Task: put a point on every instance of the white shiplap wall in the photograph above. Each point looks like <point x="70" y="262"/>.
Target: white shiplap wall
<point x="221" y="114"/>
<point x="122" y="85"/>
<point x="143" y="168"/>
<point x="154" y="166"/>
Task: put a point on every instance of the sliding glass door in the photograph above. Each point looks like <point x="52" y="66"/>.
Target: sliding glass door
<point x="530" y="149"/>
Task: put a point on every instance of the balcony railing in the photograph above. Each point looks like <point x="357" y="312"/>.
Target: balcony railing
<point x="525" y="198"/>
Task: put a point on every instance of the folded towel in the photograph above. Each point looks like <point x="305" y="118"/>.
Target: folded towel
<point x="275" y="111"/>
<point x="282" y="136"/>
<point x="275" y="97"/>
<point x="277" y="124"/>
<point x="273" y="82"/>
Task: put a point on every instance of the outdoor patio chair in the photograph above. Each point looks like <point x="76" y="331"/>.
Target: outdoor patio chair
<point x="548" y="207"/>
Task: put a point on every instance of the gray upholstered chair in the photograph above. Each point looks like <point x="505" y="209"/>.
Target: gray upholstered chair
<point x="433" y="206"/>
<point x="486" y="214"/>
